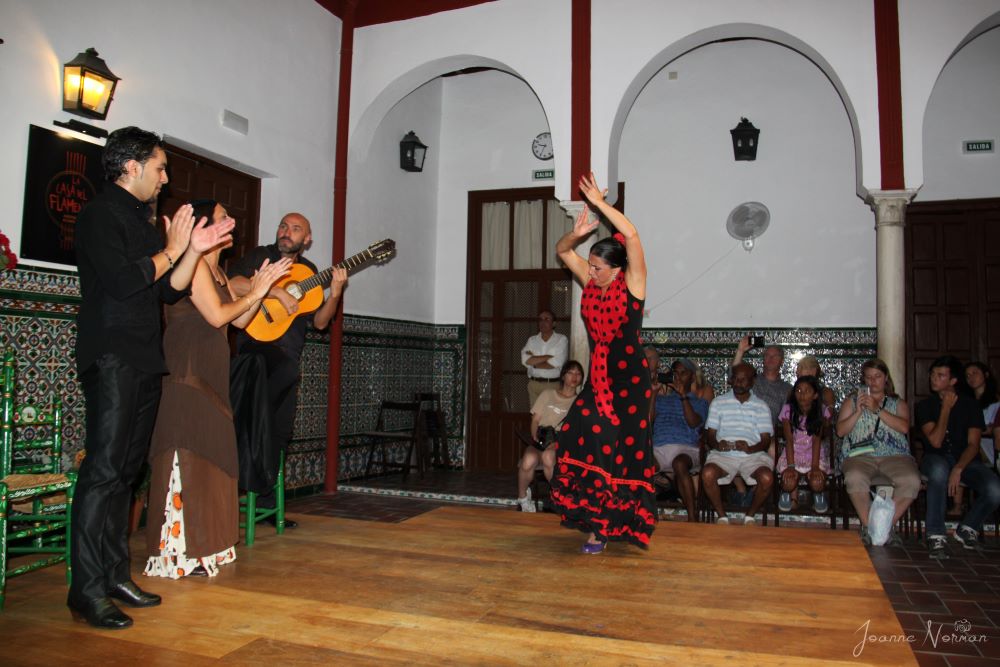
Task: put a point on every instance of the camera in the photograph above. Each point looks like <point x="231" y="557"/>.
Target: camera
<point x="756" y="341"/>
<point x="665" y="378"/>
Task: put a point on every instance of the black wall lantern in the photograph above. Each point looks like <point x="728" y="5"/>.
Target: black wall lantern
<point x="745" y="140"/>
<point x="88" y="85"/>
<point x="411" y="153"/>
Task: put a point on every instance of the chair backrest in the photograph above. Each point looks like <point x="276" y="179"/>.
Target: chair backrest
<point x="23" y="446"/>
<point x="398" y="416"/>
<point x="430" y="404"/>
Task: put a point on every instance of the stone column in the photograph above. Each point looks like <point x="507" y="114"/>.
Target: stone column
<point x="579" y="345"/>
<point x="890" y="215"/>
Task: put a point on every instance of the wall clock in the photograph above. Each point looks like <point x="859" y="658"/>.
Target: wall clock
<point x="541" y="146"/>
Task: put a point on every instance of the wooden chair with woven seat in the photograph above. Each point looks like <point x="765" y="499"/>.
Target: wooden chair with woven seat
<point x="35" y="496"/>
<point x="398" y="423"/>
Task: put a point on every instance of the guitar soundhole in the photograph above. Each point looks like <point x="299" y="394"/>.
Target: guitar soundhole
<point x="294" y="290"/>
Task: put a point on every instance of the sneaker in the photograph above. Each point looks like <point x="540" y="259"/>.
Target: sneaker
<point x="722" y="521"/>
<point x="866" y="538"/>
<point x="938" y="546"/>
<point x="894" y="540"/>
<point x="967" y="537"/>
<point x="748" y="520"/>
<point x="785" y="501"/>
<point x="820" y="503"/>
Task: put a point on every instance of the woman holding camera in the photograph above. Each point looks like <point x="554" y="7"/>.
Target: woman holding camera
<point x="193" y="506"/>
<point x="547" y="414"/>
<point x="874" y="423"/>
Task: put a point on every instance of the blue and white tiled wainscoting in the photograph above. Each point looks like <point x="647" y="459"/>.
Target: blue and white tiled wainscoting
<point x="392" y="360"/>
<point x="383" y="359"/>
<point x="388" y="359"/>
<point x="38" y="321"/>
<point x="840" y="352"/>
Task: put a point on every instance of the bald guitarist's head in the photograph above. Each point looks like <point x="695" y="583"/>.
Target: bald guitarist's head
<point x="294" y="235"/>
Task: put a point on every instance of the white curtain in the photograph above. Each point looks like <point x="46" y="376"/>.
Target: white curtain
<point x="495" y="250"/>
<point x="558" y="224"/>
<point x="528" y="234"/>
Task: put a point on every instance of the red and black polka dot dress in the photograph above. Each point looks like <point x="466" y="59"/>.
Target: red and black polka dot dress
<point x="603" y="478"/>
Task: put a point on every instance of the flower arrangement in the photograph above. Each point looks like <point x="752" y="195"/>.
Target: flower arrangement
<point x="8" y="260"/>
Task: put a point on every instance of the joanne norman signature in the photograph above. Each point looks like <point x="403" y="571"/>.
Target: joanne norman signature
<point x="958" y="634"/>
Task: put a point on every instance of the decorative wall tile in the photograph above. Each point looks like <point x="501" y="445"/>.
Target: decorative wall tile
<point x="382" y="359"/>
<point x="840" y="352"/>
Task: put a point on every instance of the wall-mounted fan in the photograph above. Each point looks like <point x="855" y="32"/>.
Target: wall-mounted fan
<point x="747" y="222"/>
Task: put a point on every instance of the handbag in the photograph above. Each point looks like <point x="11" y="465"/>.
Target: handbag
<point x="867" y="446"/>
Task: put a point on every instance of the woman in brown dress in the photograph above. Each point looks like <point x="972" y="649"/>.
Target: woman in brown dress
<point x="193" y="452"/>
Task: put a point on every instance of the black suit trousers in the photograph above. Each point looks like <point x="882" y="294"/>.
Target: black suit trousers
<point x="121" y="404"/>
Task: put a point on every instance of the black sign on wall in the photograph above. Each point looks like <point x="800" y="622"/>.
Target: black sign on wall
<point x="63" y="176"/>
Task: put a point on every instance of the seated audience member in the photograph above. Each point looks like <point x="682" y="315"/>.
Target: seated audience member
<point x="804" y="420"/>
<point x="809" y="365"/>
<point x="678" y="419"/>
<point x="984" y="385"/>
<point x="980" y="379"/>
<point x="547" y="413"/>
<point x="874" y="424"/>
<point x="653" y="361"/>
<point x="701" y="386"/>
<point x="768" y="385"/>
<point x="952" y="422"/>
<point x="738" y="434"/>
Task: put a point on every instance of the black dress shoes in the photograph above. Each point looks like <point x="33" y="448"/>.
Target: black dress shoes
<point x="288" y="522"/>
<point x="133" y="596"/>
<point x="100" y="613"/>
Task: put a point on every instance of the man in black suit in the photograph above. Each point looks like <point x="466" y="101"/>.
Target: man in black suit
<point x="125" y="272"/>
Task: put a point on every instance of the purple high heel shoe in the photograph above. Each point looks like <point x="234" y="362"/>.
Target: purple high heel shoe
<point x="593" y="547"/>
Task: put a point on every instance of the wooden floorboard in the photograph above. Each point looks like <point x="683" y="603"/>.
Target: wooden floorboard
<point x="465" y="585"/>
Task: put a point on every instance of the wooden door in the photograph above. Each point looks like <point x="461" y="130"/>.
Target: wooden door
<point x="506" y="290"/>
<point x="952" y="286"/>
<point x="195" y="177"/>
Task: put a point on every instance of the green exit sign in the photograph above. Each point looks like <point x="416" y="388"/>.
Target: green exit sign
<point x="978" y="146"/>
<point x="543" y="174"/>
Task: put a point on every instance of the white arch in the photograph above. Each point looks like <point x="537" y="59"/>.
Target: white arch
<point x="926" y="33"/>
<point x="714" y="34"/>
<point x="364" y="132"/>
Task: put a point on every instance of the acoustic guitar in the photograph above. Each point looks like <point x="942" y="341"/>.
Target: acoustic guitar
<point x="272" y="320"/>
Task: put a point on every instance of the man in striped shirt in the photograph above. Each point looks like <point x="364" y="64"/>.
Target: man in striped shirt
<point x="738" y="433"/>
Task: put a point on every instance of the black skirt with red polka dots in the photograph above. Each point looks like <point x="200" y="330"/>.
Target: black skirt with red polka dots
<point x="603" y="478"/>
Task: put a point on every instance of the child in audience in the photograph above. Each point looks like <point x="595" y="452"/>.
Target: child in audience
<point x="804" y="419"/>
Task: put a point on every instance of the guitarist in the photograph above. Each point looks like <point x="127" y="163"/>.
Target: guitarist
<point x="282" y="355"/>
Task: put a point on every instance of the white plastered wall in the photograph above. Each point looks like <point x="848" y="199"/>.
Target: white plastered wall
<point x="965" y="106"/>
<point x="815" y="264"/>
<point x="181" y="63"/>
<point x="930" y="33"/>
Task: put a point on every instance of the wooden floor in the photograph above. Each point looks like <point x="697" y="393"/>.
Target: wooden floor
<point x="468" y="585"/>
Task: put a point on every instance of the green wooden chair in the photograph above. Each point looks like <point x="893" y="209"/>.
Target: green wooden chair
<point x="248" y="508"/>
<point x="35" y="496"/>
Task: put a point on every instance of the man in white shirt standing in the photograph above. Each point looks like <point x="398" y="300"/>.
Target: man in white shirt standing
<point x="543" y="355"/>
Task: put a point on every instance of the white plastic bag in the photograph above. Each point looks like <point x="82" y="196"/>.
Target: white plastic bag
<point x="880" y="519"/>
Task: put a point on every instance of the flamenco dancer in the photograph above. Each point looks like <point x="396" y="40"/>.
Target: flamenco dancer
<point x="603" y="480"/>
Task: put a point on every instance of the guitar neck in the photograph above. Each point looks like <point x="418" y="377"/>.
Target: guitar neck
<point x="351" y="263"/>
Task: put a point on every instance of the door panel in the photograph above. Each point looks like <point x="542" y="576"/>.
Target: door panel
<point x="952" y="285"/>
<point x="195" y="177"/>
